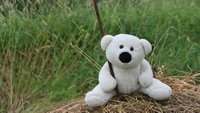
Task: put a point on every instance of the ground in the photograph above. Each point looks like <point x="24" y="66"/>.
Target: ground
<point x="185" y="98"/>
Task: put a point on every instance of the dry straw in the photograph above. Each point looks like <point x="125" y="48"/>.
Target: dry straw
<point x="185" y="99"/>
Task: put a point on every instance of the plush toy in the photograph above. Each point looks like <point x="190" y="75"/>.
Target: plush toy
<point x="132" y="72"/>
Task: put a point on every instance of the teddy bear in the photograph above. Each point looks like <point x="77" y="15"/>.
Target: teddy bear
<point x="132" y="72"/>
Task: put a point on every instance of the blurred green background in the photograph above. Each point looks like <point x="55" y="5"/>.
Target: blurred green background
<point x="50" y="50"/>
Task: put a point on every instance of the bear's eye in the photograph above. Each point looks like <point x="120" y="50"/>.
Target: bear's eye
<point x="121" y="46"/>
<point x="131" y="48"/>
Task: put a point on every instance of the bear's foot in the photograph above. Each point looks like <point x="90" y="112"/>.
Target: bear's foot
<point x="95" y="100"/>
<point x="161" y="94"/>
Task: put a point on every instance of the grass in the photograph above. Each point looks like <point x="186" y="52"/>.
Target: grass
<point x="40" y="65"/>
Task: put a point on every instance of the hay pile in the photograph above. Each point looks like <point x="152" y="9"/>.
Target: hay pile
<point x="185" y="99"/>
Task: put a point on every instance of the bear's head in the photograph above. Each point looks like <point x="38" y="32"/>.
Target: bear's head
<point x="125" y="51"/>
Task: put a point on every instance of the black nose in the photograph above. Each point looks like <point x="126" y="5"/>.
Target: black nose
<point x="125" y="57"/>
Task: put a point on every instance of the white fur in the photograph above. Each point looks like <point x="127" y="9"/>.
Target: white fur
<point x="105" y="41"/>
<point x="131" y="75"/>
<point x="146" y="45"/>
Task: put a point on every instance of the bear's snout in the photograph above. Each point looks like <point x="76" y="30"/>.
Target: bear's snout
<point x="125" y="57"/>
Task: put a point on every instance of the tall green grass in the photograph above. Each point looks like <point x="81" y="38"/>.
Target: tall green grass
<point x="43" y="45"/>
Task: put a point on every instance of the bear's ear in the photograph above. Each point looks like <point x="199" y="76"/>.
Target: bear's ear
<point x="146" y="46"/>
<point x="105" y="41"/>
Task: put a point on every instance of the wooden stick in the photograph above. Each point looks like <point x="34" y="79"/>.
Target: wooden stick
<point x="102" y="34"/>
<point x="98" y="17"/>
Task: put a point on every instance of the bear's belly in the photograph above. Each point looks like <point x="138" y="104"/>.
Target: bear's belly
<point x="128" y="86"/>
<point x="127" y="81"/>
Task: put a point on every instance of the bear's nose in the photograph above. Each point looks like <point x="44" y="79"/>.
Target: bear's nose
<point x="125" y="57"/>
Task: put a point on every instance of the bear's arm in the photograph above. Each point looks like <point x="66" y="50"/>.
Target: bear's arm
<point x="146" y="76"/>
<point x="106" y="81"/>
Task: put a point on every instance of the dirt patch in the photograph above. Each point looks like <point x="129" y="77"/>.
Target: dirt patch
<point x="185" y="98"/>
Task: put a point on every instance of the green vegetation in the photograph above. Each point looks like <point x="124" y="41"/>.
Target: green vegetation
<point x="39" y="61"/>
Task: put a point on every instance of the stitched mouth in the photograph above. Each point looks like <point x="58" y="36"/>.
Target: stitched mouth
<point x="125" y="57"/>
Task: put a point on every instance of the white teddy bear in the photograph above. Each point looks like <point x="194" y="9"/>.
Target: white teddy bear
<point x="132" y="72"/>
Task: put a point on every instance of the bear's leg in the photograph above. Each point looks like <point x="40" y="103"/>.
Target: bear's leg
<point x="157" y="90"/>
<point x="98" y="97"/>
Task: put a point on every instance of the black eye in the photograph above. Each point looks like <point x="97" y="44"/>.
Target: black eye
<point x="131" y="48"/>
<point x="121" y="46"/>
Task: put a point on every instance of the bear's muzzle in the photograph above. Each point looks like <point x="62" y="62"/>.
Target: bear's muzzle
<point x="125" y="57"/>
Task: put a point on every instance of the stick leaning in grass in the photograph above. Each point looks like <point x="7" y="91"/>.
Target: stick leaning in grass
<point x="102" y="34"/>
